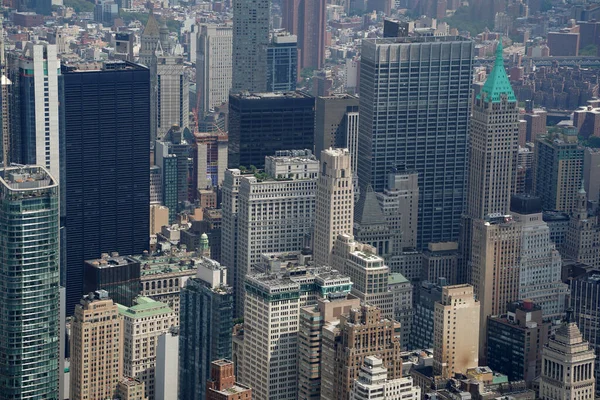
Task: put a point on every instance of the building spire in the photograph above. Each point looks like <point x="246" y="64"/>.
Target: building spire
<point x="497" y="83"/>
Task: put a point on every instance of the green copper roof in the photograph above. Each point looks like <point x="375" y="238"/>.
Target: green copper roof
<point x="497" y="83"/>
<point x="145" y="307"/>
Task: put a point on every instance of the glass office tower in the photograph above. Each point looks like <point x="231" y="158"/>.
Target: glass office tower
<point x="414" y="112"/>
<point x="29" y="291"/>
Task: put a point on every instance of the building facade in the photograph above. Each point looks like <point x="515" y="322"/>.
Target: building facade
<point x="567" y="366"/>
<point x="261" y="124"/>
<point x="372" y="383"/>
<point x="399" y="127"/>
<point x="206" y="322"/>
<point x="29" y="288"/>
<point x="334" y="209"/>
<point x="282" y="62"/>
<point x="455" y="331"/>
<point x="222" y="384"/>
<point x="143" y="323"/>
<point x="213" y="66"/>
<point x="251" y="21"/>
<point x="493" y="154"/>
<point x="288" y="227"/>
<point x="360" y="333"/>
<point x="96" y="348"/>
<point x="515" y="341"/>
<point x="172" y="94"/>
<point x="39" y="69"/>
<point x="106" y="202"/>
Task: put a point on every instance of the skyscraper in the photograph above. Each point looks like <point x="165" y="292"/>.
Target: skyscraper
<point x="172" y="93"/>
<point x="414" y="111"/>
<point x="149" y="40"/>
<point x="262" y="123"/>
<point x="38" y="107"/>
<point x="282" y="62"/>
<point x="143" y="323"/>
<point x="455" y="332"/>
<point x="582" y="238"/>
<point x="567" y="366"/>
<point x="336" y="125"/>
<point x="107" y="170"/>
<point x="307" y="20"/>
<point x="285" y="228"/>
<point x="29" y="278"/>
<point x="213" y="67"/>
<point x="334" y="210"/>
<point x="360" y="333"/>
<point x="493" y="151"/>
<point x="96" y="348"/>
<point x="251" y="19"/>
<point x="205" y="329"/>
<point x="558" y="170"/>
<point x="585" y="301"/>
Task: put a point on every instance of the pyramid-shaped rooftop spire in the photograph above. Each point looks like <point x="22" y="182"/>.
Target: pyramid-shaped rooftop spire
<point x="497" y="84"/>
<point x="151" y="28"/>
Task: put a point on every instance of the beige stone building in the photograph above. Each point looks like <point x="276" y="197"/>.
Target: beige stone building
<point x="456" y="331"/>
<point x="334" y="210"/>
<point x="159" y="217"/>
<point x="582" y="240"/>
<point x="143" y="323"/>
<point x="567" y="366"/>
<point x="96" y="348"/>
<point x="131" y="389"/>
<point x="361" y="333"/>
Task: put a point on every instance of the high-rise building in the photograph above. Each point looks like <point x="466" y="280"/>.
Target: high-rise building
<point x="262" y="123"/>
<point x="313" y="320"/>
<point x="582" y="238"/>
<point x="585" y="301"/>
<point x="307" y="20"/>
<point x="206" y="321"/>
<point x="143" y="323"/>
<point x="456" y="331"/>
<point x="118" y="275"/>
<point x="336" y="125"/>
<point x="591" y="174"/>
<point x="428" y="294"/>
<point x="251" y="21"/>
<point x="172" y="93"/>
<point x="282" y="62"/>
<point x="172" y="155"/>
<point x="29" y="292"/>
<point x="285" y="228"/>
<point x="149" y="41"/>
<point x="513" y="258"/>
<point x="440" y="260"/>
<point x="493" y="150"/>
<point x="360" y="333"/>
<point x="7" y="117"/>
<point x="280" y="286"/>
<point x="39" y="69"/>
<point x="96" y="348"/>
<point x="402" y="299"/>
<point x="372" y="384"/>
<point x="106" y="202"/>
<point x="222" y="384"/>
<point x="229" y="225"/>
<point x="334" y="211"/>
<point x="213" y="67"/>
<point x="567" y="366"/>
<point x="414" y="111"/>
<point x="520" y="357"/>
<point x="558" y="170"/>
<point x="166" y="377"/>
<point x="540" y="263"/>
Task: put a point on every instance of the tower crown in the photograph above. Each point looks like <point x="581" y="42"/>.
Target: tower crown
<point x="497" y="84"/>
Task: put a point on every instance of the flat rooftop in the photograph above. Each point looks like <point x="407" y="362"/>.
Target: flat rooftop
<point x="27" y="177"/>
<point x="273" y="95"/>
<point x="417" y="39"/>
<point x="96" y="66"/>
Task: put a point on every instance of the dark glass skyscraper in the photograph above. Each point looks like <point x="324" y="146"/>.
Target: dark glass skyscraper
<point x="282" y="63"/>
<point x="106" y="130"/>
<point x="261" y="124"/>
<point x="206" y="321"/>
<point x="414" y="112"/>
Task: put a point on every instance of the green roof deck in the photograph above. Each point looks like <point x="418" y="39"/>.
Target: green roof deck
<point x="145" y="307"/>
